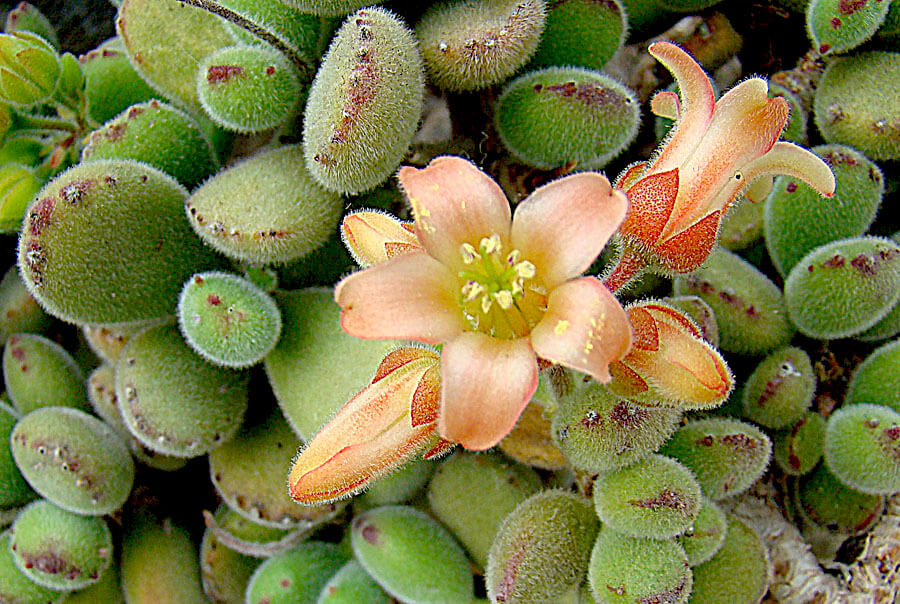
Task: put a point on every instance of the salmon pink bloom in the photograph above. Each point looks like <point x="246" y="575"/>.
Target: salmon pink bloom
<point x="496" y="292"/>
<point x="716" y="149"/>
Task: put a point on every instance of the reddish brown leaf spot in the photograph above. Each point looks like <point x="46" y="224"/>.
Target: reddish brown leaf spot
<point x="214" y="300"/>
<point x="627" y="415"/>
<point x="74" y="192"/>
<point x="706" y="441"/>
<point x="836" y="261"/>
<point x="39" y="216"/>
<point x="216" y="74"/>
<point x="285" y="583"/>
<point x="667" y="498"/>
<point x="769" y="391"/>
<point x="848" y="7"/>
<point x="591" y="419"/>
<point x="791" y="187"/>
<point x="18" y="354"/>
<point x="864" y="264"/>
<point x="835" y="22"/>
<point x="270" y="70"/>
<point x="115" y="132"/>
<point x="370" y="534"/>
<point x="134" y="112"/>
<point x="739" y="440"/>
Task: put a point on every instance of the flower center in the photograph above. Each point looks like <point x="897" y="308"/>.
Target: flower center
<point x="500" y="295"/>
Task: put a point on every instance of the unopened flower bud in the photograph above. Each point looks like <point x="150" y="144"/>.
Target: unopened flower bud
<point x="378" y="429"/>
<point x="374" y="237"/>
<point x="670" y="363"/>
<point x="29" y="68"/>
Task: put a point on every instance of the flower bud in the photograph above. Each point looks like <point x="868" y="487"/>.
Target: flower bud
<point x="29" y="68"/>
<point x="375" y="432"/>
<point x="670" y="363"/>
<point x="374" y="237"/>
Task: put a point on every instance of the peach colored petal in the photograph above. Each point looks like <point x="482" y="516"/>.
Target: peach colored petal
<point x="719" y="161"/>
<point x="402" y="356"/>
<point x="412" y="296"/>
<point x="423" y="409"/>
<point x="585" y="328"/>
<point x="666" y="104"/>
<point x="367" y="438"/>
<point x="651" y="199"/>
<point x="788" y="158"/>
<point x="625" y="382"/>
<point x="697" y="102"/>
<point x="486" y="382"/>
<point x="564" y="225"/>
<point x="373" y="237"/>
<point x="453" y="203"/>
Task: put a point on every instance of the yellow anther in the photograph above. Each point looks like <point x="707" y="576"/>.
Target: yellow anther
<point x="468" y="253"/>
<point x="485" y="304"/>
<point x="525" y="269"/>
<point x="504" y="299"/>
<point x="472" y="290"/>
<point x="491" y="245"/>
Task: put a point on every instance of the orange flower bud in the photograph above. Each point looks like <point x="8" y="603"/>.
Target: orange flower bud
<point x="378" y="430"/>
<point x="670" y="364"/>
<point x="373" y="237"/>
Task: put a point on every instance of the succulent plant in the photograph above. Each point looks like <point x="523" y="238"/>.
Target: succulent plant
<point x="275" y="258"/>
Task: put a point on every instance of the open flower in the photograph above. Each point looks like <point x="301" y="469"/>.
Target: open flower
<point x="716" y="149"/>
<point x="497" y="293"/>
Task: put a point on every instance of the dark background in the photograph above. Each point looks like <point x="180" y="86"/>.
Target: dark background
<point x="80" y="24"/>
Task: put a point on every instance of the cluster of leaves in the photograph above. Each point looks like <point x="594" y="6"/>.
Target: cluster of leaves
<point x="177" y="194"/>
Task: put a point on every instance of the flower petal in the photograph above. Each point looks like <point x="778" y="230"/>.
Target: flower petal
<point x="454" y="203"/>
<point x="373" y="237"/>
<point x="697" y="102"/>
<point x="368" y="437"/>
<point x="585" y="328"/>
<point x="745" y="126"/>
<point x="788" y="158"/>
<point x="412" y="296"/>
<point x="666" y="104"/>
<point x="486" y="382"/>
<point x="562" y="226"/>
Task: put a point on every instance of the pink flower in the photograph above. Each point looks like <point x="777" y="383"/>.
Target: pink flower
<point x="715" y="151"/>
<point x="496" y="293"/>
